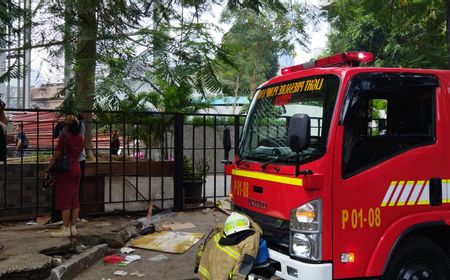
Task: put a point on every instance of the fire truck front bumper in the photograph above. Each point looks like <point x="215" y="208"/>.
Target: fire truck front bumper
<point x="291" y="269"/>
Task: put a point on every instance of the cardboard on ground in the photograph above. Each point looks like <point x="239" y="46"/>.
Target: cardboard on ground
<point x="168" y="241"/>
<point x="178" y="226"/>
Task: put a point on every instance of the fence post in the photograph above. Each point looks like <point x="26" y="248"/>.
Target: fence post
<point x="178" y="163"/>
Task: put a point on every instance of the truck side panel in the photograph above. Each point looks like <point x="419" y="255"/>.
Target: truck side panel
<point x="375" y="204"/>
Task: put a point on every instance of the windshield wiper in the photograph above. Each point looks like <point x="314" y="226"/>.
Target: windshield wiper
<point x="238" y="162"/>
<point x="286" y="157"/>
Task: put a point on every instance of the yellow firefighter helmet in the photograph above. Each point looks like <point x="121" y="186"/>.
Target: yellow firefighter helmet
<point x="235" y="223"/>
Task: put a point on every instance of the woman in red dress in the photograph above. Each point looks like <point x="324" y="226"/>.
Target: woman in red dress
<point x="68" y="183"/>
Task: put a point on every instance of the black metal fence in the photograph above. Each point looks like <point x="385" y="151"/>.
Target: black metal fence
<point x="173" y="160"/>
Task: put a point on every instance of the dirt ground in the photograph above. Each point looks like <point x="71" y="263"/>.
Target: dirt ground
<point x="25" y="242"/>
<point x="158" y="265"/>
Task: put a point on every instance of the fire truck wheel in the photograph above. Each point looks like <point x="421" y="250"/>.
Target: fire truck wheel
<point x="418" y="258"/>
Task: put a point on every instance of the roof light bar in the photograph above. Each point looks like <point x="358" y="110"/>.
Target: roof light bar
<point x="346" y="58"/>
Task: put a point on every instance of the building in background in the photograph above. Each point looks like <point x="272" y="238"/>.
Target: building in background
<point x="16" y="92"/>
<point x="227" y="105"/>
<point x="47" y="96"/>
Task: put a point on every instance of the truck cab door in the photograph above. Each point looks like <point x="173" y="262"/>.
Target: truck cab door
<point x="385" y="142"/>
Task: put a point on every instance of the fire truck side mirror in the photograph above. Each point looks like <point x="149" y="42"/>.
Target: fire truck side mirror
<point x="226" y="141"/>
<point x="299" y="132"/>
<point x="435" y="191"/>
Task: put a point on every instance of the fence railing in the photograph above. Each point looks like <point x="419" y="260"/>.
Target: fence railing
<point x="160" y="154"/>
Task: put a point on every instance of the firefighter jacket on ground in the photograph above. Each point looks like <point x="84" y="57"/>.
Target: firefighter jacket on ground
<point x="220" y="260"/>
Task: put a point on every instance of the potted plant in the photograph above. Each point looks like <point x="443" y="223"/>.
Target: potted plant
<point x="193" y="179"/>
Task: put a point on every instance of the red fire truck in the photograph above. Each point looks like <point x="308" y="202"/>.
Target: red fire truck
<point x="347" y="170"/>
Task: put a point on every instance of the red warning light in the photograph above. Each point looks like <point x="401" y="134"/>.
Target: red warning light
<point x="347" y="58"/>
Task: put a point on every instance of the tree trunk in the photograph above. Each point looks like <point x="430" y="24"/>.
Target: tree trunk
<point x="253" y="81"/>
<point x="236" y="91"/>
<point x="68" y="30"/>
<point x="86" y="54"/>
<point x="253" y="84"/>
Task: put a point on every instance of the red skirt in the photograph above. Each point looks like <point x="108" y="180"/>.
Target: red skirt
<point x="68" y="188"/>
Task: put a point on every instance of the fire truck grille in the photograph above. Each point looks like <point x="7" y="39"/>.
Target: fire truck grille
<point x="275" y="231"/>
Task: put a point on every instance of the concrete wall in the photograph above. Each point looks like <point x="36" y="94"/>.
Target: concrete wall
<point x="151" y="188"/>
<point x="155" y="188"/>
<point x="207" y="143"/>
<point x="22" y="191"/>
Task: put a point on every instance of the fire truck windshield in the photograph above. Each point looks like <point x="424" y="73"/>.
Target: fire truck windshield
<point x="266" y="128"/>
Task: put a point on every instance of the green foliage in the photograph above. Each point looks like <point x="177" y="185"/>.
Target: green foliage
<point x="254" y="53"/>
<point x="257" y="6"/>
<point x="176" y="98"/>
<point x="123" y="39"/>
<point x="366" y="34"/>
<point x="379" y="105"/>
<point x="111" y="47"/>
<point x="10" y="13"/>
<point x="399" y="33"/>
<point x="256" y="40"/>
<point x="194" y="170"/>
<point x="128" y="116"/>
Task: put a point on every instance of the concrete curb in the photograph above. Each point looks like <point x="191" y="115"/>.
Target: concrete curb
<point x="71" y="268"/>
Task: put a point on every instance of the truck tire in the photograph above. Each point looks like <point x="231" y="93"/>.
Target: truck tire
<point x="418" y="258"/>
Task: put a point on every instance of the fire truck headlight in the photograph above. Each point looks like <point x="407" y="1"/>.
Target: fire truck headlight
<point x="307" y="217"/>
<point x="306" y="230"/>
<point x="306" y="246"/>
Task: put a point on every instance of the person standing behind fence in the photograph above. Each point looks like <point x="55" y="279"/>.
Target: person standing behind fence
<point x="115" y="142"/>
<point x="68" y="183"/>
<point x="21" y="141"/>
<point x="82" y="159"/>
<point x="3" y="128"/>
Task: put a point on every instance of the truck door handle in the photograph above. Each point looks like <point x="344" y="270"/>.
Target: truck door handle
<point x="257" y="189"/>
<point x="435" y="191"/>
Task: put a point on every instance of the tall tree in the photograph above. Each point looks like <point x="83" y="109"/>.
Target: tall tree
<point x="118" y="37"/>
<point x="85" y="61"/>
<point x="256" y="40"/>
<point x="253" y="53"/>
<point x="113" y="45"/>
<point x="398" y="32"/>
